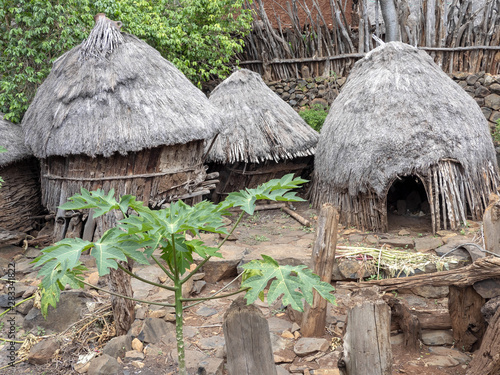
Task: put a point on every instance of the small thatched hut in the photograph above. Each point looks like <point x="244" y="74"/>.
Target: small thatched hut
<point x="399" y="128"/>
<point x="20" y="191"/>
<point x="113" y="113"/>
<point x="263" y="138"/>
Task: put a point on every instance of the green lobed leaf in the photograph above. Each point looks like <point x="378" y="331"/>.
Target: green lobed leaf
<point x="98" y="200"/>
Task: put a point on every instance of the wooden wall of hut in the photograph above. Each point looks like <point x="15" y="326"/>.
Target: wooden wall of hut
<point x="20" y="195"/>
<point x="240" y="175"/>
<point x="155" y="176"/>
<point x="301" y="38"/>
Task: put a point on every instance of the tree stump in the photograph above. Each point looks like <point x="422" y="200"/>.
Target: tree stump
<point x="467" y="320"/>
<point x="367" y="344"/>
<point x="407" y="322"/>
<point x="248" y="341"/>
<point x="323" y="257"/>
<point x="487" y="359"/>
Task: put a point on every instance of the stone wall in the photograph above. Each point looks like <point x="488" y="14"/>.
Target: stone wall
<point x="303" y="93"/>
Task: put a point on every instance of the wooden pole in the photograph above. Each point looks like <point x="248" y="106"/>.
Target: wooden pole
<point x="323" y="257"/>
<point x="487" y="360"/>
<point x="248" y="342"/>
<point x="367" y="344"/>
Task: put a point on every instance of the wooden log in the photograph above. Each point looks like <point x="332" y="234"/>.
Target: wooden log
<point x="367" y="344"/>
<point x="407" y="322"/>
<point x="262" y="207"/>
<point x="248" y="341"/>
<point x="123" y="309"/>
<point x="481" y="269"/>
<point x="467" y="320"/>
<point x="297" y="217"/>
<point x="486" y="360"/>
<point x="323" y="257"/>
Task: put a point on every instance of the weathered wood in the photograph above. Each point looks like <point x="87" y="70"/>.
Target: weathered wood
<point x="486" y="360"/>
<point x="467" y="321"/>
<point x="323" y="258"/>
<point x="297" y="217"/>
<point x="262" y="207"/>
<point x="491" y="225"/>
<point x="481" y="269"/>
<point x="248" y="341"/>
<point x="407" y="322"/>
<point x="367" y="345"/>
<point x="123" y="309"/>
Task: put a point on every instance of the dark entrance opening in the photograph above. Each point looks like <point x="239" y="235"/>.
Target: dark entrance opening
<point x="407" y="205"/>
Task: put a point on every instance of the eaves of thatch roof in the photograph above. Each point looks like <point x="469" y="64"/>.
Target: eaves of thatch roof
<point x="399" y="113"/>
<point x="12" y="139"/>
<point x="115" y="95"/>
<point x="259" y="125"/>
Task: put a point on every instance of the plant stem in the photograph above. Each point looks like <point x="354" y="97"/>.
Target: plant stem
<point x="144" y="280"/>
<point x="214" y="297"/>
<point x="17" y="304"/>
<point x="164" y="269"/>
<point x="179" y="335"/>
<point x="127" y="297"/>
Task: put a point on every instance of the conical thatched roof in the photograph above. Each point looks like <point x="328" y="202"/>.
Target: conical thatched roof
<point x="259" y="125"/>
<point x="398" y="114"/>
<point x="115" y="93"/>
<point x="12" y="139"/>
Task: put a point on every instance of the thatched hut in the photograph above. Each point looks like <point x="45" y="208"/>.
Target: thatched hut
<point x="401" y="127"/>
<point x="263" y="138"/>
<point x="20" y="191"/>
<point x="113" y="113"/>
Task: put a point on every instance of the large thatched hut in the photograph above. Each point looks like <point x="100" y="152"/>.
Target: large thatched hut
<point x="402" y="133"/>
<point x="20" y="191"/>
<point x="263" y="137"/>
<point x="113" y="113"/>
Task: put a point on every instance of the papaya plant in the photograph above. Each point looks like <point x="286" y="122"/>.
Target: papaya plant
<point x="143" y="231"/>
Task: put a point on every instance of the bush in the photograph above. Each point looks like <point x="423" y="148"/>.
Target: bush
<point x="315" y="116"/>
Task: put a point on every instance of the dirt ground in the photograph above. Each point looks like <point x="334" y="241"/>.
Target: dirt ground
<point x="267" y="228"/>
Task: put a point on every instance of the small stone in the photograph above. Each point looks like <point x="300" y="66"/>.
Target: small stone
<point x="134" y="355"/>
<point x="25" y="307"/>
<point x="154" y="329"/>
<point x="199" y="276"/>
<point x="441" y="361"/>
<point x="397" y="339"/>
<point x="209" y="343"/>
<point x="429" y="291"/>
<point x="309" y="345"/>
<point x="403" y="243"/>
<point x="280" y="370"/>
<point x="206" y="311"/>
<point x="296" y="335"/>
<point x="403" y="232"/>
<point x="295" y="327"/>
<point x="43" y="351"/>
<point x="138" y="364"/>
<point x="103" y="365"/>
<point x="453" y="353"/>
<point x="278" y="325"/>
<point x="82" y="368"/>
<point x="118" y="346"/>
<point x="157" y="313"/>
<point x="371" y="239"/>
<point x="137" y="344"/>
<point x="427" y="243"/>
<point x="490" y="308"/>
<point x="93" y="278"/>
<point x="198" y="286"/>
<point x="287" y="335"/>
<point x="492" y="101"/>
<point x="352" y="269"/>
<point x="489" y="288"/>
<point x="437" y="337"/>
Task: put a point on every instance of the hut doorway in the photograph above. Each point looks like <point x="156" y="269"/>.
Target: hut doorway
<point x="407" y="205"/>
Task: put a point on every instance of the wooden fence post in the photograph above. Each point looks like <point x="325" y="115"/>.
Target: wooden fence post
<point x="248" y="342"/>
<point x="487" y="359"/>
<point x="367" y="344"/>
<point x="323" y="257"/>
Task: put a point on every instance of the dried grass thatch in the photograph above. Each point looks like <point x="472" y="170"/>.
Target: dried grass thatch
<point x="20" y="192"/>
<point x="259" y="125"/>
<point x="115" y="93"/>
<point x="397" y="115"/>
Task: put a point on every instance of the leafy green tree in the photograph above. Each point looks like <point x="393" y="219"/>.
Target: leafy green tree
<point x="143" y="231"/>
<point x="201" y="37"/>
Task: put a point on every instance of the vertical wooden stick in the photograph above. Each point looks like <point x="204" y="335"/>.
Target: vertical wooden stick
<point x="323" y="257"/>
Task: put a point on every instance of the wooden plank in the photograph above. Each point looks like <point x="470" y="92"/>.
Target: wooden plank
<point x="323" y="258"/>
<point x="487" y="360"/>
<point x="248" y="341"/>
<point x="367" y="345"/>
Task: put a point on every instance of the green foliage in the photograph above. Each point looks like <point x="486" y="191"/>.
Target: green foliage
<point x="315" y="116"/>
<point x="201" y="37"/>
<point x="496" y="132"/>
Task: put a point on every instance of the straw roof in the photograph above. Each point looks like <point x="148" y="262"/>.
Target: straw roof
<point x="398" y="114"/>
<point x="259" y="125"/>
<point x="12" y="139"/>
<point x="115" y="93"/>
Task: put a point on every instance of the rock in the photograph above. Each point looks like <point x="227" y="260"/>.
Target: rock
<point x="437" y="337"/>
<point x="397" y="339"/>
<point x="453" y="353"/>
<point x="278" y="343"/>
<point x="209" y="343"/>
<point x="118" y="346"/>
<point x="441" y="361"/>
<point x="32" y="253"/>
<point x="150" y="273"/>
<point x="5" y="301"/>
<point x="138" y="364"/>
<point x="206" y="311"/>
<point x="490" y="308"/>
<point x="43" y="351"/>
<point x="280" y="370"/>
<point x="198" y="286"/>
<point x="8" y="237"/>
<point x="137" y="345"/>
<point x="70" y="308"/>
<point x="104" y="365"/>
<point x="495" y="88"/>
<point x="220" y="268"/>
<point x="29" y="292"/>
<point x="285" y="255"/>
<point x="295" y="327"/>
<point x="154" y="329"/>
<point x="329" y="360"/>
<point x="309" y="345"/>
<point x="211" y="366"/>
<point x="471" y="79"/>
<point x="492" y="100"/>
<point x="481" y="92"/>
<point x="489" y="288"/>
<point x="287" y="335"/>
<point x="134" y="355"/>
<point x="93" y="278"/>
<point x="356" y="238"/>
<point x="352" y="269"/>
<point x="427" y="243"/>
<point x="24" y="267"/>
<point x="371" y="239"/>
<point x="157" y="313"/>
<point x="404" y="243"/>
<point x="486" y="112"/>
<point x="278" y="325"/>
<point x="429" y="291"/>
<point x="403" y="232"/>
<point x="25" y="307"/>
